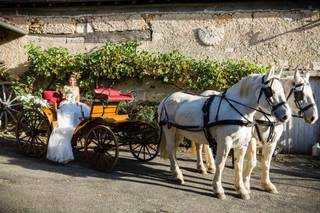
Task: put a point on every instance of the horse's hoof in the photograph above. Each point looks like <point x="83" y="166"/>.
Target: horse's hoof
<point x="220" y="196"/>
<point x="244" y="196"/>
<point x="176" y="180"/>
<point x="271" y="189"/>
<point x="211" y="171"/>
<point x="180" y="182"/>
<point x="202" y="171"/>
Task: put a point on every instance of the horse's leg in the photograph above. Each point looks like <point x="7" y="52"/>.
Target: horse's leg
<point x="239" y="154"/>
<point x="209" y="159"/>
<point x="200" y="165"/>
<point x="267" y="151"/>
<point x="171" y="137"/>
<point x="251" y="163"/>
<point x="223" y="149"/>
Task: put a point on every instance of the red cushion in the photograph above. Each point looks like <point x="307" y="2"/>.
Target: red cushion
<point x="52" y="96"/>
<point x="113" y="94"/>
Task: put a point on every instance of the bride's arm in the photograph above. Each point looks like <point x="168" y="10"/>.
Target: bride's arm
<point x="77" y="95"/>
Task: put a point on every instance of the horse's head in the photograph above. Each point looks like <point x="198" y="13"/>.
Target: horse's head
<point x="271" y="97"/>
<point x="303" y="98"/>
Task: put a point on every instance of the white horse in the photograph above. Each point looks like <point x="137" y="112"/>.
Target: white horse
<point x="181" y="115"/>
<point x="268" y="138"/>
<point x="300" y="100"/>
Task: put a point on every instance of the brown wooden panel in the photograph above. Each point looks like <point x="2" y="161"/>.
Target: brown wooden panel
<point x="100" y="109"/>
<point x="51" y="114"/>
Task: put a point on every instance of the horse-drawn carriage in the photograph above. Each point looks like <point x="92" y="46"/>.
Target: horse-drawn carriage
<point x="99" y="135"/>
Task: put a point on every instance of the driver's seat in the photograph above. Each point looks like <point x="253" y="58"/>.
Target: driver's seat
<point x="53" y="98"/>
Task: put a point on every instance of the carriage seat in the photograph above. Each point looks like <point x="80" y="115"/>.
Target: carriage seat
<point x="53" y="98"/>
<point x="114" y="95"/>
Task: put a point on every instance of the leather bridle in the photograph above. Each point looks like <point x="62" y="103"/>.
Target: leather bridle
<point x="266" y="89"/>
<point x="299" y="97"/>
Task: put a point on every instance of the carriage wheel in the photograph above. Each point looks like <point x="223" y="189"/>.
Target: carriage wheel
<point x="101" y="148"/>
<point x="78" y="141"/>
<point x="145" y="143"/>
<point x="32" y="133"/>
<point x="9" y="107"/>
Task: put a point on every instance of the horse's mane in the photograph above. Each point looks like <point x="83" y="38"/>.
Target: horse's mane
<point x="245" y="84"/>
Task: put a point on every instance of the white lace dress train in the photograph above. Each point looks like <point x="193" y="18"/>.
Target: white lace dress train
<point x="68" y="116"/>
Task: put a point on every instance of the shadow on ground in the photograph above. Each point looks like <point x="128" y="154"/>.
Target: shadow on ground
<point x="155" y="173"/>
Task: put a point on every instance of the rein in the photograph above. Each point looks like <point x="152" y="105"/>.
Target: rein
<point x="298" y="97"/>
<point x="206" y="113"/>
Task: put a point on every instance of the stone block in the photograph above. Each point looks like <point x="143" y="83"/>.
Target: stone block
<point x="316" y="65"/>
<point x="84" y="28"/>
<point x="102" y="37"/>
<point x="119" y="23"/>
<point x="75" y="40"/>
<point x="58" y="25"/>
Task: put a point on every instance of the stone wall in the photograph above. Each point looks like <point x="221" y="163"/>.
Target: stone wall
<point x="286" y="38"/>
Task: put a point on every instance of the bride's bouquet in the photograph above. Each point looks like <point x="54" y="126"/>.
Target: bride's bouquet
<point x="67" y="90"/>
<point x="69" y="95"/>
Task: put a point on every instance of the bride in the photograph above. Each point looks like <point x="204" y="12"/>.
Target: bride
<point x="68" y="115"/>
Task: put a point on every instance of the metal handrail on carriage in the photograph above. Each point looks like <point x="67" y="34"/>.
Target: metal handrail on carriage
<point x="99" y="135"/>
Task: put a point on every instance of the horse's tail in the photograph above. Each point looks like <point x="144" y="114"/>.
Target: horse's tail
<point x="163" y="144"/>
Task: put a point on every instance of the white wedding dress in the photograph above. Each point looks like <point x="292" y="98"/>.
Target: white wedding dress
<point x="68" y="116"/>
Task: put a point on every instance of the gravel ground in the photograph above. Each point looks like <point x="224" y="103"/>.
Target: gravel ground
<point x="37" y="185"/>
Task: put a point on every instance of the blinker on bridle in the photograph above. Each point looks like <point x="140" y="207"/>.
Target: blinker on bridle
<point x="268" y="92"/>
<point x="299" y="97"/>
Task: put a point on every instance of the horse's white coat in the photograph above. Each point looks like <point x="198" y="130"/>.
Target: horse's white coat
<point x="185" y="109"/>
<point x="310" y="116"/>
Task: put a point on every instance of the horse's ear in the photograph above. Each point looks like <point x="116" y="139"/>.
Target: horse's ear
<point x="297" y="76"/>
<point x="272" y="70"/>
<point x="307" y="76"/>
<point x="270" y="73"/>
<point x="280" y="73"/>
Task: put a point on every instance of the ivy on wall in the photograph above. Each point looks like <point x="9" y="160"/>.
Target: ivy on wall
<point x="117" y="61"/>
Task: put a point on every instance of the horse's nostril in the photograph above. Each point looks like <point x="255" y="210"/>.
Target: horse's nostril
<point x="312" y="118"/>
<point x="284" y="117"/>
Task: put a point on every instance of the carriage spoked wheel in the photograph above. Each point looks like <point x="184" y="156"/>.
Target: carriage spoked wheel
<point x="9" y="107"/>
<point x="144" y="142"/>
<point x="102" y="148"/>
<point x="32" y="133"/>
<point x="78" y="142"/>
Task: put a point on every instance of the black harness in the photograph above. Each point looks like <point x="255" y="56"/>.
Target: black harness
<point x="298" y="98"/>
<point x="266" y="90"/>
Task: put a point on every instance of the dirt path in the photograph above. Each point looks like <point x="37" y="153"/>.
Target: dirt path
<point x="36" y="185"/>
